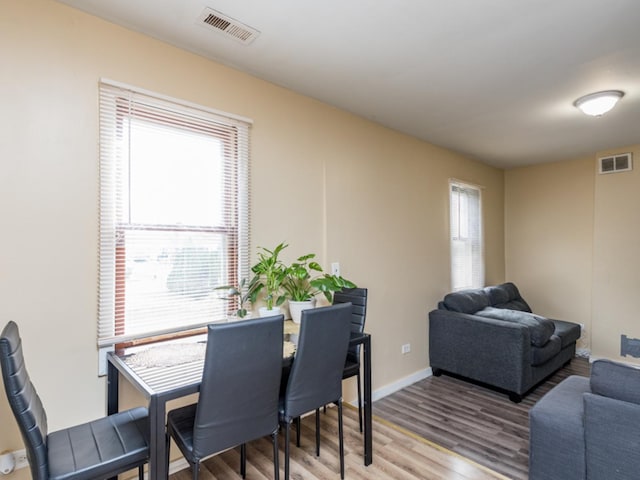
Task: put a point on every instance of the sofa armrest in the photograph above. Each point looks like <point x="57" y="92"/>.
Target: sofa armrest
<point x="612" y="438"/>
<point x="556" y="432"/>
<point x="484" y="349"/>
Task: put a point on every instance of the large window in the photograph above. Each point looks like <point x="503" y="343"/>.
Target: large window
<point x="173" y="213"/>
<point x="467" y="263"/>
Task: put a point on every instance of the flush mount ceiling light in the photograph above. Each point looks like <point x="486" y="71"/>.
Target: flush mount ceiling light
<point x="599" y="103"/>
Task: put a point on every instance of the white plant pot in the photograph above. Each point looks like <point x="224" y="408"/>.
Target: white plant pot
<point x="265" y="312"/>
<point x="296" y="308"/>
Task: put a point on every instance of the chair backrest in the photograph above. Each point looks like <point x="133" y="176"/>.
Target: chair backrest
<point x="24" y="401"/>
<point x="358" y="299"/>
<point x="316" y="373"/>
<point x="240" y="384"/>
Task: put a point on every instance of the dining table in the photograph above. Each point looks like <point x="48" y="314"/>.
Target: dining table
<point x="172" y="369"/>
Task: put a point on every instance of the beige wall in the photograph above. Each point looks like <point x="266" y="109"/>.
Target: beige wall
<point x="388" y="226"/>
<point x="549" y="238"/>
<point x="572" y="245"/>
<point x="322" y="180"/>
<point x="616" y="260"/>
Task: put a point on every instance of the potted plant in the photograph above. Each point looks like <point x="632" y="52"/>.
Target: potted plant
<point x="270" y="273"/>
<point x="301" y="288"/>
<point x="243" y="294"/>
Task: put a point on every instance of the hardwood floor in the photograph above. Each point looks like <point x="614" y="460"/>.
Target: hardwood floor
<point x="473" y="421"/>
<point x="397" y="454"/>
<point x="439" y="428"/>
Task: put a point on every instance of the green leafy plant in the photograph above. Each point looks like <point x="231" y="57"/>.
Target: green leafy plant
<point x="271" y="273"/>
<point x="244" y="293"/>
<point x="300" y="285"/>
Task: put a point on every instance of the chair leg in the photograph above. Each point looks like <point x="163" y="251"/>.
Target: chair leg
<point x="196" y="470"/>
<point x="141" y="472"/>
<point x="243" y="460"/>
<point x="340" y="434"/>
<point x="276" y="463"/>
<point x="317" y="432"/>
<point x="286" y="450"/>
<point x="298" y="428"/>
<point x="359" y="400"/>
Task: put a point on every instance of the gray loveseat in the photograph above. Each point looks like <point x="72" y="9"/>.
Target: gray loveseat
<point x="491" y="336"/>
<point x="588" y="428"/>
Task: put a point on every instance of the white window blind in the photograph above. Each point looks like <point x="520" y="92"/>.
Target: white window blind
<point x="467" y="262"/>
<point x="173" y="213"/>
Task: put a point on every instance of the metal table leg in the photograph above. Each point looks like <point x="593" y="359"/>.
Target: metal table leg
<point x="368" y="427"/>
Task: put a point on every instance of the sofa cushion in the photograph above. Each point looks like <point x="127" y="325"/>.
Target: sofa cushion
<point x="616" y="380"/>
<point x="497" y="294"/>
<point x="541" y="355"/>
<point x="507" y="296"/>
<point x="466" y="301"/>
<point x="540" y="328"/>
<point x="568" y="332"/>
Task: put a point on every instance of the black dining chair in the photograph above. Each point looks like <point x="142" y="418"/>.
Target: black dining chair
<point x="315" y="378"/>
<point x="238" y="399"/>
<point x="358" y="299"/>
<point x="99" y="449"/>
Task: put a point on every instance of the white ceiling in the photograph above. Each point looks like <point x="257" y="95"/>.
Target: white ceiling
<point x="492" y="79"/>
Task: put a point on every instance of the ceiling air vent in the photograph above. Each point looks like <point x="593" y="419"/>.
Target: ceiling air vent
<point x="620" y="162"/>
<point x="240" y="32"/>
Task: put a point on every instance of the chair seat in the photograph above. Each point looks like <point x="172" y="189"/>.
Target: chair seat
<point x="180" y="422"/>
<point x="351" y="368"/>
<point x="99" y="448"/>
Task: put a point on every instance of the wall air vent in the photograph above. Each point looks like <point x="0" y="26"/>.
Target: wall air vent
<point x="221" y="23"/>
<point x="620" y="162"/>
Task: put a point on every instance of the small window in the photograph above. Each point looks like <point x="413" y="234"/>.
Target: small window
<point x="467" y="262"/>
<point x="173" y="213"/>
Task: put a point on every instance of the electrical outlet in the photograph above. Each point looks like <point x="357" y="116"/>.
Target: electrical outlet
<point x="406" y="348"/>
<point x="20" y="459"/>
<point x="335" y="268"/>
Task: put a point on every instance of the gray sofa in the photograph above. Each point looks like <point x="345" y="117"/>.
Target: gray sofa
<point x="588" y="428"/>
<point x="490" y="335"/>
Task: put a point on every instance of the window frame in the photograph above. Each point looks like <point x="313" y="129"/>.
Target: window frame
<point x="118" y="103"/>
<point x="474" y="239"/>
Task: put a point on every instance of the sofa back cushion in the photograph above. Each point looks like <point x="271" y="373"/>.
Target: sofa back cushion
<point x="466" y="301"/>
<point x="507" y="296"/>
<point x="616" y="380"/>
<point x="540" y="328"/>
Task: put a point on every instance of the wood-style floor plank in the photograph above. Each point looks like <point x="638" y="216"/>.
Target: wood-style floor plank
<point x="473" y="421"/>
<point x="439" y="428"/>
<point x="397" y="454"/>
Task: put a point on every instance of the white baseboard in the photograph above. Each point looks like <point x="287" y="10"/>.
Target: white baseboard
<point x="400" y="384"/>
<point x="177" y="465"/>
